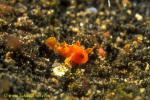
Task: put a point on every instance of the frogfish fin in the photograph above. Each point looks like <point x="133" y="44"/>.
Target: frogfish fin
<point x="64" y="44"/>
<point x="89" y="50"/>
<point x="67" y="61"/>
<point x="77" y="43"/>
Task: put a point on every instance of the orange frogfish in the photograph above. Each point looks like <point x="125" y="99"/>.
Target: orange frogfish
<point x="74" y="54"/>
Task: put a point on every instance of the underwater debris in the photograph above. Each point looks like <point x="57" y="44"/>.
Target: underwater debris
<point x="101" y="53"/>
<point x="13" y="42"/>
<point x="4" y="85"/>
<point x="5" y="9"/>
<point x="59" y="69"/>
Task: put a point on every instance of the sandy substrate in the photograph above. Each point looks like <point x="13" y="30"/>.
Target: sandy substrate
<point x="118" y="67"/>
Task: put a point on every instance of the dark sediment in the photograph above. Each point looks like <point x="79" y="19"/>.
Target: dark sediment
<point x="27" y="65"/>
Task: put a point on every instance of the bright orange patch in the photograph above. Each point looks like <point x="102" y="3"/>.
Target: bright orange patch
<point x="73" y="53"/>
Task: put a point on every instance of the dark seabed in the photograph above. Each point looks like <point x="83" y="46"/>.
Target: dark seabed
<point x="118" y="68"/>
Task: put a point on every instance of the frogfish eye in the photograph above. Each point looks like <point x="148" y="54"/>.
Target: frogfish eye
<point x="81" y="55"/>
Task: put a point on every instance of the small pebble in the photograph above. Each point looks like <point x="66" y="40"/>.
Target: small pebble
<point x="142" y="90"/>
<point x="59" y="69"/>
<point x="91" y="10"/>
<point x="103" y="27"/>
<point x="129" y="12"/>
<point x="138" y="17"/>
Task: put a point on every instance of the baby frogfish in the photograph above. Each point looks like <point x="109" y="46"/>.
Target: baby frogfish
<point x="74" y="54"/>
